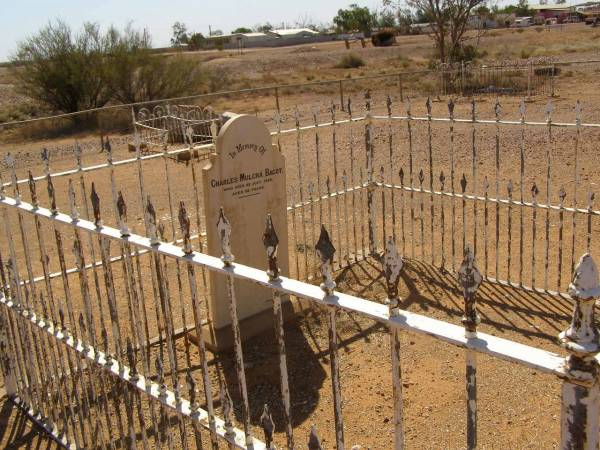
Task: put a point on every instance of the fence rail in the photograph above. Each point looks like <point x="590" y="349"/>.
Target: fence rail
<point x="18" y="311"/>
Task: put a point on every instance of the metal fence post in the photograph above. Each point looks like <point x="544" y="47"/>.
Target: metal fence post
<point x="371" y="185"/>
<point x="342" y="106"/>
<point x="392" y="269"/>
<point x="470" y="279"/>
<point x="580" y="393"/>
<point x="7" y="365"/>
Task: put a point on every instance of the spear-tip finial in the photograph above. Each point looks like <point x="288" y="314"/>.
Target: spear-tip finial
<point x="185" y="224"/>
<point x="325" y="251"/>
<point x="469" y="278"/>
<point x="314" y="443"/>
<point x="268" y="426"/>
<point x="271" y="242"/>
<point x="392" y="264"/>
<point x="224" y="230"/>
<point x="122" y="210"/>
<point x="96" y="206"/>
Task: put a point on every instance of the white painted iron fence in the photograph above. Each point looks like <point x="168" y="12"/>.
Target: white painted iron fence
<point x="99" y="356"/>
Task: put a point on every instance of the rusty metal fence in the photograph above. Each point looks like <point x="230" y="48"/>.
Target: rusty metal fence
<point x="90" y="329"/>
<point x="85" y="370"/>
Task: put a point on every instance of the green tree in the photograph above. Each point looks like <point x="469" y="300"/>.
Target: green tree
<point x="135" y="74"/>
<point x="180" y="35"/>
<point x="263" y="28"/>
<point x="355" y="18"/>
<point x="63" y="70"/>
<point x="385" y="19"/>
<point x="241" y="30"/>
<point x="196" y="41"/>
<point x="449" y="20"/>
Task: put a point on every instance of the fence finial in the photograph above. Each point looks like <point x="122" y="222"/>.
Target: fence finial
<point x="32" y="190"/>
<point x="562" y="194"/>
<point x="314" y="443"/>
<point x="388" y="103"/>
<point x="45" y="155"/>
<point x="73" y="202"/>
<point x="184" y="223"/>
<point x="509" y="188"/>
<point x="271" y="241"/>
<point x="549" y="109"/>
<point x="332" y="109"/>
<point x="469" y="278"/>
<point x="77" y="149"/>
<point x="428" y="106"/>
<point x="268" y="426"/>
<point x="581" y="339"/>
<point x="227" y="406"/>
<point x="96" y="206"/>
<point x="497" y="109"/>
<point x="51" y="194"/>
<point x="368" y="101"/>
<point x="534" y="191"/>
<point x="473" y="109"/>
<point x="122" y="210"/>
<point x="2" y="190"/>
<point x="442" y="180"/>
<point x="401" y="175"/>
<point x="392" y="264"/>
<point x="86" y="347"/>
<point x="578" y="109"/>
<point x="325" y="251"/>
<point x="349" y="106"/>
<point x="132" y="360"/>
<point x="421" y="177"/>
<point x="160" y="373"/>
<point x="522" y="110"/>
<point x="151" y="221"/>
<point x="192" y="392"/>
<point x="451" y="105"/>
<point x="224" y="229"/>
<point x="297" y="117"/>
<point x="463" y="183"/>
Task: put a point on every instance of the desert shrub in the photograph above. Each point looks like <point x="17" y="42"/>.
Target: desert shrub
<point x="63" y="70"/>
<point x="134" y="74"/>
<point x="70" y="72"/>
<point x="465" y="52"/>
<point x="350" y="61"/>
<point x="526" y="53"/>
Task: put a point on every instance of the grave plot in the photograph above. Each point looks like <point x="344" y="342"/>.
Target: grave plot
<point x="140" y="295"/>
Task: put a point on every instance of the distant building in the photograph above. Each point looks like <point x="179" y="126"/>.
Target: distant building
<point x="294" y="33"/>
<point x="272" y="38"/>
<point x="556" y="13"/>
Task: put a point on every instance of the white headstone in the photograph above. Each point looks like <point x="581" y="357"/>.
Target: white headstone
<point x="246" y="177"/>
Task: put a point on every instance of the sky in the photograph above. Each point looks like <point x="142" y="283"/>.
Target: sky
<point x="22" y="18"/>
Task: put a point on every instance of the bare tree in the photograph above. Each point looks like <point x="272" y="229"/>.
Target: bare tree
<point x="449" y="20"/>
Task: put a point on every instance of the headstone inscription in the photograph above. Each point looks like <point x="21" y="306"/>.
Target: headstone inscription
<point x="246" y="176"/>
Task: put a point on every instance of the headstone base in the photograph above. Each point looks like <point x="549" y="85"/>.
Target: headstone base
<point x="221" y="339"/>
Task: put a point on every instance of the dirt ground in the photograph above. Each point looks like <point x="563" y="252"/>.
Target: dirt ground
<point x="515" y="403"/>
